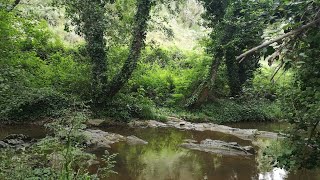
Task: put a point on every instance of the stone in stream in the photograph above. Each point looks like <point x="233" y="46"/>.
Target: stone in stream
<point x="95" y="122"/>
<point x="219" y="147"/>
<point x="152" y="123"/>
<point x="139" y="124"/>
<point x="190" y="141"/>
<point x="245" y="134"/>
<point x="16" y="141"/>
<point x="3" y="145"/>
<point x="101" y="139"/>
<point x="249" y="149"/>
<point x="133" y="140"/>
<point x="182" y="123"/>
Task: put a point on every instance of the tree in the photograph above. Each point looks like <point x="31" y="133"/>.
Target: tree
<point x="236" y="25"/>
<point x="89" y="18"/>
<point x="298" y="49"/>
<point x="139" y="35"/>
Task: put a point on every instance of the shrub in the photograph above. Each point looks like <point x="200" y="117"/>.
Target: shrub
<point x="21" y="100"/>
<point x="125" y="107"/>
<point x="227" y="111"/>
<point x="61" y="156"/>
<point x="33" y="104"/>
<point x="169" y="75"/>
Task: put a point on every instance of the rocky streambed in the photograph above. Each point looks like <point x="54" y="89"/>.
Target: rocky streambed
<point x="173" y="150"/>
<point x="97" y="138"/>
<point x="245" y="134"/>
<point x="104" y="139"/>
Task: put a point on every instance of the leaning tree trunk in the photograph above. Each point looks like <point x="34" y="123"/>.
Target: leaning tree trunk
<point x="204" y="92"/>
<point x="139" y="35"/>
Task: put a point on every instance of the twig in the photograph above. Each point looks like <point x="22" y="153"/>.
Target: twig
<point x="277" y="70"/>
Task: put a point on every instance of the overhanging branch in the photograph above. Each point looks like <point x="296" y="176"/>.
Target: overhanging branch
<point x="16" y="2"/>
<point x="294" y="32"/>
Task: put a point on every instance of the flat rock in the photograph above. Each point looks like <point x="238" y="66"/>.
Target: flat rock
<point x="249" y="149"/>
<point x="156" y="124"/>
<point x="99" y="138"/>
<point x="171" y="118"/>
<point x="218" y="147"/>
<point x="95" y="122"/>
<point x="190" y="141"/>
<point x="3" y="145"/>
<point x="16" y="141"/>
<point x="138" y="124"/>
<point x="268" y="135"/>
<point x="133" y="140"/>
<point x="245" y="134"/>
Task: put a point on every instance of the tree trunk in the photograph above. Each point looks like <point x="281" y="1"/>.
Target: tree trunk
<point x="204" y="91"/>
<point x="233" y="73"/>
<point x="96" y="48"/>
<point x="139" y="35"/>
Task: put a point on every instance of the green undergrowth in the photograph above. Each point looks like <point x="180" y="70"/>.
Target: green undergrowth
<point x="125" y="107"/>
<point x="226" y="111"/>
<point x="61" y="155"/>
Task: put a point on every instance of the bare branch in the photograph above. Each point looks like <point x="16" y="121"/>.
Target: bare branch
<point x="16" y="2"/>
<point x="294" y="32"/>
<point x="277" y="70"/>
<point x="272" y="57"/>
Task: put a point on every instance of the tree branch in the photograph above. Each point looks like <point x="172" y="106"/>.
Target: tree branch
<point x="294" y="32"/>
<point x="16" y="2"/>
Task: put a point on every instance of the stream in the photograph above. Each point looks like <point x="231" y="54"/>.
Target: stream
<point x="163" y="158"/>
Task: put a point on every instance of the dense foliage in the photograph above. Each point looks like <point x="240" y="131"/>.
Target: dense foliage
<point x="300" y="54"/>
<point x="110" y="58"/>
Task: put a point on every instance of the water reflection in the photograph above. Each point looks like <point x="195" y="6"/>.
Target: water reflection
<point x="163" y="159"/>
<point x="34" y="131"/>
<point x="275" y="174"/>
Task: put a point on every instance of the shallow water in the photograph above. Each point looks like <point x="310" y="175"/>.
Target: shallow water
<point x="262" y="126"/>
<point x="163" y="159"/>
<point x="33" y="131"/>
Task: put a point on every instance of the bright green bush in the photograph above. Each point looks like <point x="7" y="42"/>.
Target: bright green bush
<point x="262" y="85"/>
<point x="125" y="107"/>
<point x="38" y="75"/>
<point x="168" y="76"/>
